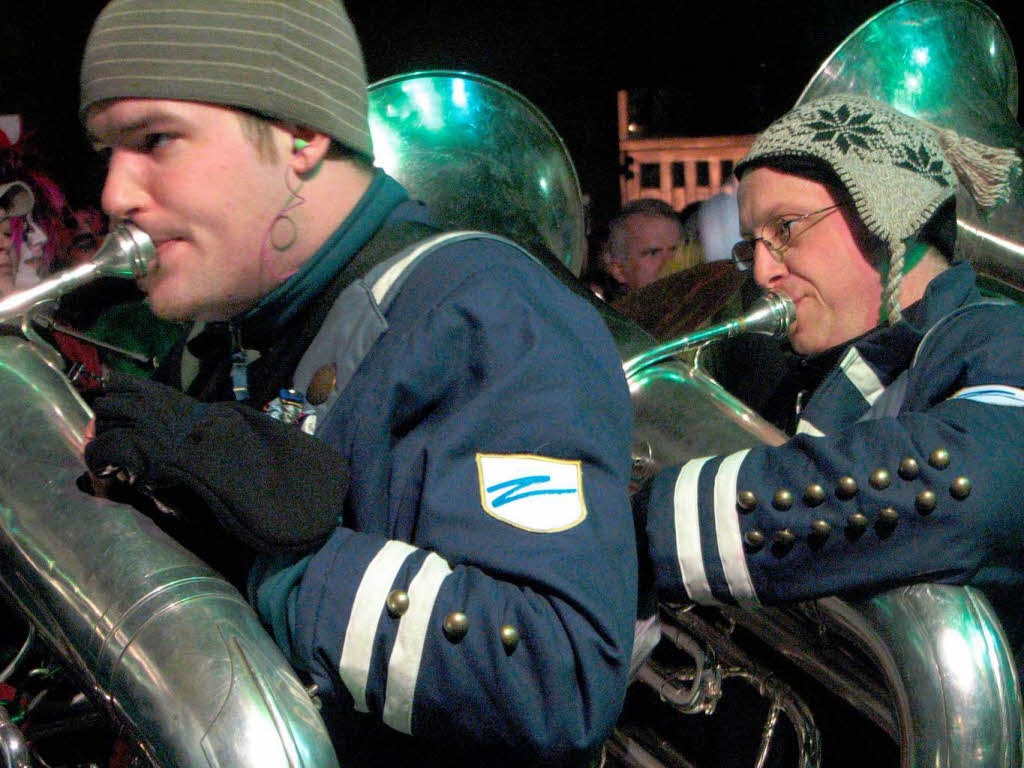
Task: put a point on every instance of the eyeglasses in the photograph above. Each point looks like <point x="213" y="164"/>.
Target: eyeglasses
<point x="775" y="234"/>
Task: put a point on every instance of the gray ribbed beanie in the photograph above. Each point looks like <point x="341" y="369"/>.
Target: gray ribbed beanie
<point x="898" y="170"/>
<point x="298" y="60"/>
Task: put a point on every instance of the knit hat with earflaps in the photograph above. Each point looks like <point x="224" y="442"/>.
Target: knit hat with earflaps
<point x="298" y="60"/>
<point x="897" y="170"/>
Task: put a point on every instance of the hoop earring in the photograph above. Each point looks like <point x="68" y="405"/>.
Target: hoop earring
<point x="288" y="221"/>
<point x="293" y="202"/>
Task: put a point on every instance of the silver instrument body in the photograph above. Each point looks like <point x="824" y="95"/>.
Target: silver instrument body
<point x="169" y="649"/>
<point x="950" y="63"/>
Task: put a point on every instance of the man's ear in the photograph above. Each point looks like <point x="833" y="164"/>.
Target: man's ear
<point x="309" y="149"/>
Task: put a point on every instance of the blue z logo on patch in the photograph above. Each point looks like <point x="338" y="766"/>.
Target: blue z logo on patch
<point x="522" y="482"/>
<point x="534" y="493"/>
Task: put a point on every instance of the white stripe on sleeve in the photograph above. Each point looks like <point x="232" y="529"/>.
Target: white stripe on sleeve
<point x="404" y="664"/>
<point x="373" y="590"/>
<point x="687" y="525"/>
<point x="727" y="530"/>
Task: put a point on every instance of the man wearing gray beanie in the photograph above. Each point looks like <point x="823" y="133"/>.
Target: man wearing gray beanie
<point x="906" y="462"/>
<point x="432" y="527"/>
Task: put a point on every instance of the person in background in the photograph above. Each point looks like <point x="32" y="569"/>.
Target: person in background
<point x="718" y="222"/>
<point x="642" y="237"/>
<point x="905" y="465"/>
<point x="22" y="241"/>
<point x="436" y="519"/>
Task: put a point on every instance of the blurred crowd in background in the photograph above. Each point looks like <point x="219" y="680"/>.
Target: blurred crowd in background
<point x="100" y="326"/>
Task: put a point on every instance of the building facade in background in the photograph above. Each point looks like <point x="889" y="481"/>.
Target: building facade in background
<point x="680" y="170"/>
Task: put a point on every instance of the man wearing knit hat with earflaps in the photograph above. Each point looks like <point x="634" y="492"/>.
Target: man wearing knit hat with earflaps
<point x="444" y="556"/>
<point x="906" y="465"/>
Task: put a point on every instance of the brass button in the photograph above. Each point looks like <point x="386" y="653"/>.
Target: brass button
<point x="908" y="468"/>
<point x="886" y="522"/>
<point x="939" y="458"/>
<point x="509" y="638"/>
<point x="856" y="524"/>
<point x="846" y="487"/>
<point x="925" y="502"/>
<point x="322" y="384"/>
<point x="746" y="501"/>
<point x="783" y="499"/>
<point x="782" y="542"/>
<point x="880" y="479"/>
<point x="456" y="625"/>
<point x="814" y="494"/>
<point x="753" y="540"/>
<point x="960" y="488"/>
<point x="820" y="531"/>
<point x="397" y="602"/>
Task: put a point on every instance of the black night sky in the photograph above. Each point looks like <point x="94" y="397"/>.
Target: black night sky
<point x="733" y="65"/>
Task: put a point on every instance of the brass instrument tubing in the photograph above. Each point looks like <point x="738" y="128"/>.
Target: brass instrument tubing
<point x="9" y="670"/>
<point x="12" y="744"/>
<point x="667" y="350"/>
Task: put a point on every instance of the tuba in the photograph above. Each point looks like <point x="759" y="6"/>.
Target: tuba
<point x="142" y="639"/>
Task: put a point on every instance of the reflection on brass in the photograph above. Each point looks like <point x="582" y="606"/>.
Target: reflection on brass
<point x="746" y="501"/>
<point x="939" y="458"/>
<point x="783" y="499"/>
<point x="960" y="488"/>
<point x="880" y="479"/>
<point x="643" y="462"/>
<point x="322" y="384"/>
<point x="856" y="524"/>
<point x="888" y="515"/>
<point x="814" y="494"/>
<point x="846" y="487"/>
<point x="753" y="540"/>
<point x="509" y="638"/>
<point x="886" y="522"/>
<point x="925" y="502"/>
<point x="908" y="468"/>
<point x="456" y="625"/>
<point x="820" y="531"/>
<point x="397" y="602"/>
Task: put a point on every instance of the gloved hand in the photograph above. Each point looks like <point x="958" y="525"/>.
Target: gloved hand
<point x="266" y="483"/>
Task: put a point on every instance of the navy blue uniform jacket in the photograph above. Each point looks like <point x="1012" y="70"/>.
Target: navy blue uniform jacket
<point x="480" y="590"/>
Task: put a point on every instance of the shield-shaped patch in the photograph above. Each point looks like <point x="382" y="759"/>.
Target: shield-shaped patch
<point x="534" y="493"/>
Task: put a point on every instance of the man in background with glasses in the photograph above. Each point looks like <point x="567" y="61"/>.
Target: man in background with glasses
<point x="906" y="463"/>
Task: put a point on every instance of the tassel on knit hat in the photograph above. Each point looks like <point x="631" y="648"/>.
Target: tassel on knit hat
<point x="897" y="170"/>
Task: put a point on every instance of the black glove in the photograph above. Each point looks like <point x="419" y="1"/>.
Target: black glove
<point x="266" y="483"/>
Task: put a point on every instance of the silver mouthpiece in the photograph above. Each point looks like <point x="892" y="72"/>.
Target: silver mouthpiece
<point x="771" y="314"/>
<point x="126" y="252"/>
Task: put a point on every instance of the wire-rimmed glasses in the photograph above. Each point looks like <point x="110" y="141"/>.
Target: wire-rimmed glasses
<point x="775" y="234"/>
